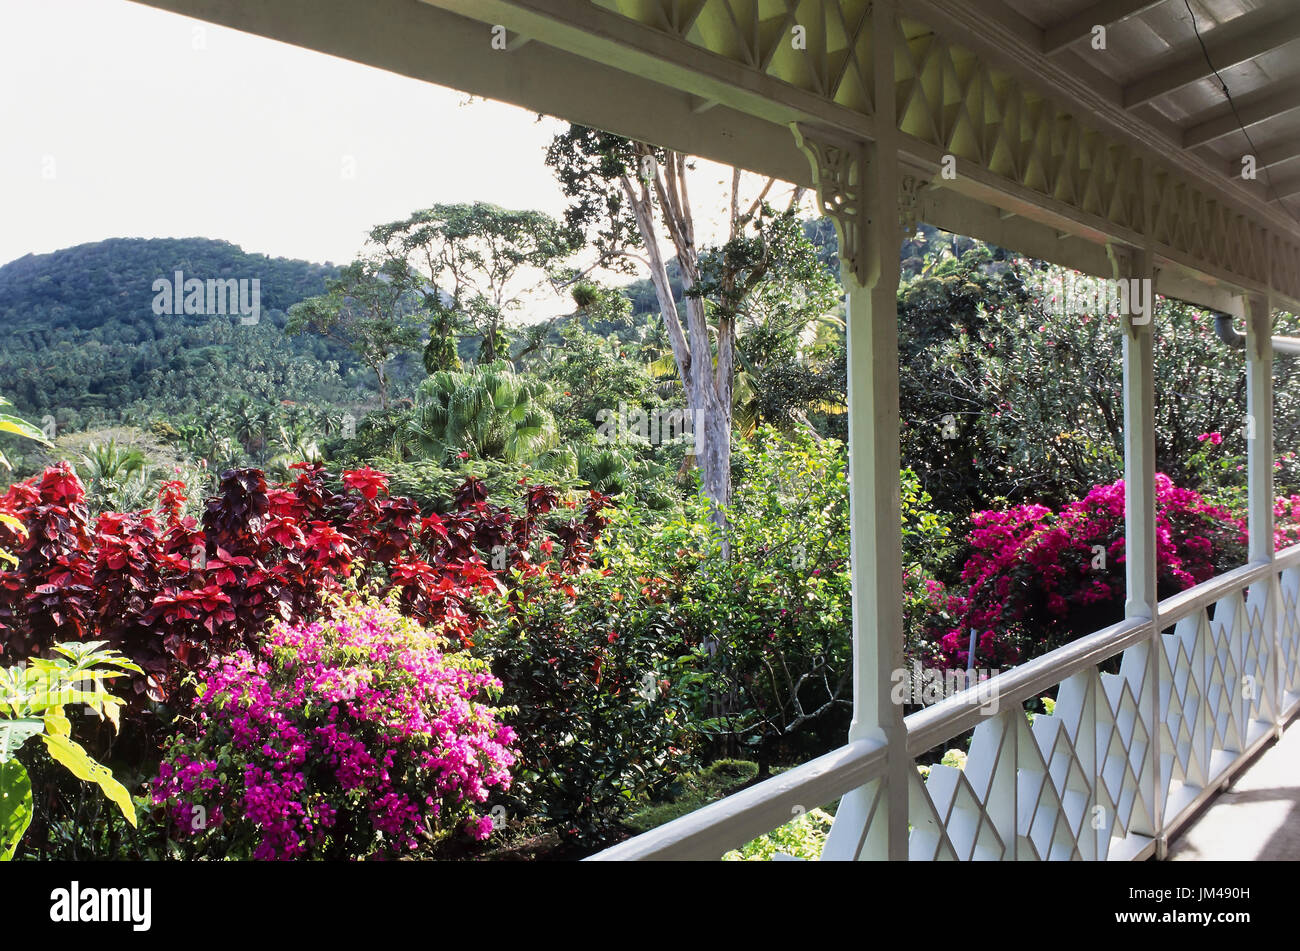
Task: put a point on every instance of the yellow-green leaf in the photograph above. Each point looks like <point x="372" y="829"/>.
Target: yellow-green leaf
<point x="12" y="424"/>
<point x="78" y="761"/>
<point x="56" y="724"/>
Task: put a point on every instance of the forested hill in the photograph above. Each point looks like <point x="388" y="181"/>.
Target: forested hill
<point x="85" y="287"/>
<point x="79" y="339"/>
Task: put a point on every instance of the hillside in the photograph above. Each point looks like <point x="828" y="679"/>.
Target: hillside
<point x="79" y="339"/>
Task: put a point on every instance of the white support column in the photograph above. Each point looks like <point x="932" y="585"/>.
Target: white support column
<point x="1259" y="469"/>
<point x="1140" y="452"/>
<point x="1259" y="426"/>
<point x="1142" y="600"/>
<point x="858" y="188"/>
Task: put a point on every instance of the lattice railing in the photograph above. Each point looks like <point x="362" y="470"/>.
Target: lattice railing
<point x="1145" y="728"/>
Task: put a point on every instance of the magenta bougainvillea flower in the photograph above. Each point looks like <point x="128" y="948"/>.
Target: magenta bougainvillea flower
<point x="354" y="736"/>
<point x="1038" y="578"/>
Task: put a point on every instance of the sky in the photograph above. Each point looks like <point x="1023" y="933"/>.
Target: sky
<point x="120" y="120"/>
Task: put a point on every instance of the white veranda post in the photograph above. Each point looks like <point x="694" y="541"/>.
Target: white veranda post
<point x="858" y="188"/>
<point x="1140" y="524"/>
<point x="1259" y="476"/>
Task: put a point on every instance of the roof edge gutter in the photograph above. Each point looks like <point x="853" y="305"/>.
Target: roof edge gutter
<point x="1228" y="334"/>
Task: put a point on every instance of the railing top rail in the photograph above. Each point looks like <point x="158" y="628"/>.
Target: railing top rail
<point x="1287" y="557"/>
<point x="707" y="833"/>
<point x="928" y="728"/>
<point x="1176" y="607"/>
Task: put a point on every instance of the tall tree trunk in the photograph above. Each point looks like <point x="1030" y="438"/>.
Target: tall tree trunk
<point x="708" y="391"/>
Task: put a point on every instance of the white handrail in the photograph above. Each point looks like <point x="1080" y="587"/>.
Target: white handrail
<point x="707" y="833"/>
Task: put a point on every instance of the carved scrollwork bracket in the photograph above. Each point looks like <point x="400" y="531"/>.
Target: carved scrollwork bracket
<point x="909" y="203"/>
<point x="839" y="170"/>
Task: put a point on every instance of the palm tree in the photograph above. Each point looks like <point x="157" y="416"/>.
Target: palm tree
<point x="116" y="477"/>
<point x="296" y="445"/>
<point x="489" y="412"/>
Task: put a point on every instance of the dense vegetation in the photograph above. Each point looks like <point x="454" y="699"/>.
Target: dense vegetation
<point x="398" y="569"/>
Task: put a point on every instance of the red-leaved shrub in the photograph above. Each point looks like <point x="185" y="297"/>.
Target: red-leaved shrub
<point x="170" y="592"/>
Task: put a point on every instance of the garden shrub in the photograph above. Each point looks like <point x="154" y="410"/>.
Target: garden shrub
<point x="1038" y="579"/>
<point x="803" y="837"/>
<point x="588" y="666"/>
<point x="169" y="592"/>
<point x="355" y="736"/>
<point x="766" y="633"/>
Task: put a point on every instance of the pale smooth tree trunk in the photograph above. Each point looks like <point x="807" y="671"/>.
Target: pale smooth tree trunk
<point x="708" y="389"/>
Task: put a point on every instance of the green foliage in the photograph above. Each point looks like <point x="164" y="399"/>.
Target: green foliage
<point x="1005" y="397"/>
<point x="589" y="375"/>
<point x="33" y="698"/>
<point x="79" y="340"/>
<point x="766" y="633"/>
<point x="694" y="791"/>
<point x="599" y="730"/>
<point x="471" y="265"/>
<point x="768" y="287"/>
<point x="368" y="309"/>
<point x="19" y="427"/>
<point x="486" y="412"/>
<point x="803" y="837"/>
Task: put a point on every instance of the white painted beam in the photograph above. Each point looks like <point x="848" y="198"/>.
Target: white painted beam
<point x="1190" y="66"/>
<point x="601" y="36"/>
<point x="1284" y="99"/>
<point x="423" y="42"/>
<point x="1080" y="25"/>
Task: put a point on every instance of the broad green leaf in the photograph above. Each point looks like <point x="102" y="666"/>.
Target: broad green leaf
<point x="78" y="761"/>
<point x="14" y="733"/>
<point x="12" y="424"/>
<point x="15" y="806"/>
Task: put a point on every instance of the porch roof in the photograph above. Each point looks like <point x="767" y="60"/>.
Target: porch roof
<point x="1069" y="154"/>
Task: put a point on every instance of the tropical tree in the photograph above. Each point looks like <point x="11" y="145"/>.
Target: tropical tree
<point x="627" y="197"/>
<point x="472" y="265"/>
<point x="486" y="412"/>
<point x="369" y="309"/>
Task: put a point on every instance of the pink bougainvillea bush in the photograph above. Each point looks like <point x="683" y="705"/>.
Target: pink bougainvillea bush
<point x="352" y="737"/>
<point x="1038" y="579"/>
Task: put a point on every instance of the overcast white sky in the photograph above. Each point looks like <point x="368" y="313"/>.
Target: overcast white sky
<point x="119" y="120"/>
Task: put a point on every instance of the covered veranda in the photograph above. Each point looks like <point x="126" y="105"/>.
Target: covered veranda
<point x="1093" y="134"/>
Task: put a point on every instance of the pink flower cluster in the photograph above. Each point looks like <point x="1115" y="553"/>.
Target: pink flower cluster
<point x="1037" y="578"/>
<point x="354" y="734"/>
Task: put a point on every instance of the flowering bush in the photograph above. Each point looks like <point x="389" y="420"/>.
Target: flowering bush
<point x="354" y="736"/>
<point x="170" y="592"/>
<point x="1038" y="579"/>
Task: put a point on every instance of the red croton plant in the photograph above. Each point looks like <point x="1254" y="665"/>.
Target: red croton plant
<point x="170" y="592"/>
